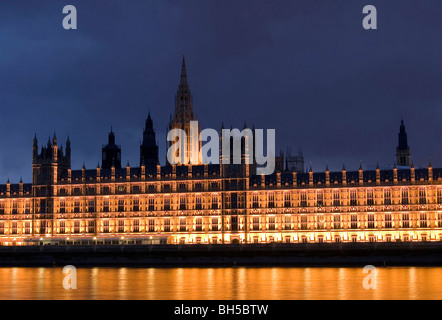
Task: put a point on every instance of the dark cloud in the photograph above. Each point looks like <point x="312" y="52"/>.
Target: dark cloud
<point x="305" y="68"/>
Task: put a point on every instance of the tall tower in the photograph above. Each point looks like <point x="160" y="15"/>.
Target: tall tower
<point x="48" y="167"/>
<point x="111" y="153"/>
<point x="183" y="115"/>
<point x="149" y="147"/>
<point x="403" y="155"/>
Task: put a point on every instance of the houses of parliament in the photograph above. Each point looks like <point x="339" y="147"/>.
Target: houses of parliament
<point x="215" y="203"/>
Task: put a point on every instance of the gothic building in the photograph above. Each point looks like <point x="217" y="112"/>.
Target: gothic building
<point x="216" y="203"/>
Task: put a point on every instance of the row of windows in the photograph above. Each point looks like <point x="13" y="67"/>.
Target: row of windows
<point x="355" y="198"/>
<point x="151" y="188"/>
<point x="236" y="223"/>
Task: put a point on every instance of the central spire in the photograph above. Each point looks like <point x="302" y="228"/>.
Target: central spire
<point x="183" y="115"/>
<point x="183" y="82"/>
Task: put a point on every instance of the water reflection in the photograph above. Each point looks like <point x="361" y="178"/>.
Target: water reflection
<point x="221" y="283"/>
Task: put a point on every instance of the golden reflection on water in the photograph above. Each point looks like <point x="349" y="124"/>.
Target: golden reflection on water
<point x="221" y="283"/>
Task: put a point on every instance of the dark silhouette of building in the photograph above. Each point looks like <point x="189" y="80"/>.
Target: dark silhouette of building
<point x="403" y="155"/>
<point x="111" y="153"/>
<point x="149" y="147"/>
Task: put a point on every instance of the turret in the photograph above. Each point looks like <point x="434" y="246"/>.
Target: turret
<point x="403" y="154"/>
<point x="430" y="172"/>
<point x="378" y="174"/>
<point x="149" y="147"/>
<point x="111" y="153"/>
<point x="327" y="176"/>
<point x="344" y="176"/>
<point x="361" y="175"/>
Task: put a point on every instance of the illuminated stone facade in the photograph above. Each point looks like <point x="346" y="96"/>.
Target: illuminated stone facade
<point x="215" y="203"/>
<point x="201" y="204"/>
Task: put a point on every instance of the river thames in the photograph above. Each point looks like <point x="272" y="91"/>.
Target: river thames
<point x="221" y="283"/>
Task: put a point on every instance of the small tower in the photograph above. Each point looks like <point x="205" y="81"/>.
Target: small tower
<point x="403" y="155"/>
<point x="149" y="147"/>
<point x="111" y="153"/>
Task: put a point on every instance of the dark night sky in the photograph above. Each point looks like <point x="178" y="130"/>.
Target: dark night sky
<point x="305" y="68"/>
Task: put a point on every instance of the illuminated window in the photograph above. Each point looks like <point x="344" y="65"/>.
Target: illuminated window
<point x="166" y="203"/>
<point x="287" y="223"/>
<point x="198" y="205"/>
<point x="271" y="223"/>
<point x="321" y="221"/>
<point x="304" y="222"/>
<point x="136" y="225"/>
<point x="422" y="196"/>
<point x="319" y="198"/>
<point x="214" y="201"/>
<point x="182" y="224"/>
<point x="27" y="227"/>
<point x="91" y="206"/>
<point x="14" y="207"/>
<point x="303" y="199"/>
<point x="439" y="196"/>
<point x="354" y="221"/>
<point x="387" y="197"/>
<point x="27" y="207"/>
<point x="136" y="204"/>
<point x="76" y="206"/>
<point x="255" y="200"/>
<point x="182" y="202"/>
<point x="370" y="198"/>
<point x="62" y="206"/>
<point x="234" y="223"/>
<point x="404" y="196"/>
<point x="388" y="220"/>
<point x="353" y="198"/>
<point x="287" y="200"/>
<point x="14" y="228"/>
<point x="167" y="225"/>
<point x="151" y="225"/>
<point x="151" y="204"/>
<point x="120" y="205"/>
<point x="106" y="226"/>
<point x="199" y="224"/>
<point x="271" y="200"/>
<point x="405" y="220"/>
<point x="255" y="225"/>
<point x="423" y="220"/>
<point x="106" y="205"/>
<point x="371" y="221"/>
<point x="337" y="221"/>
<point x="62" y="227"/>
<point x="91" y="226"/>
<point x="336" y="198"/>
<point x="214" y="224"/>
<point x="77" y="227"/>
